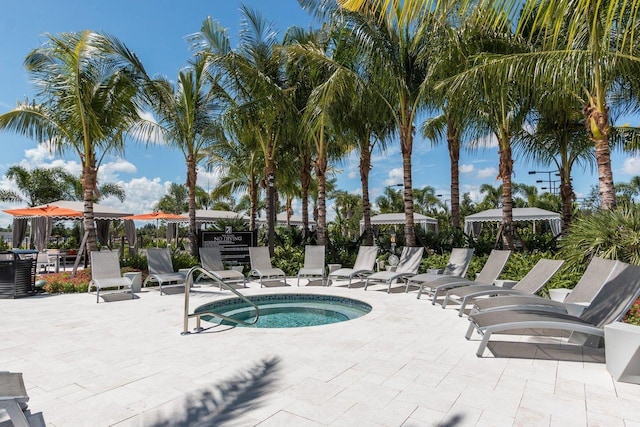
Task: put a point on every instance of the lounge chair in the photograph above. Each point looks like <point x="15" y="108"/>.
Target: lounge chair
<point x="610" y="304"/>
<point x="14" y="398"/>
<point x="598" y="272"/>
<point x="365" y="261"/>
<point x="408" y="266"/>
<point x="211" y="260"/>
<point x="534" y="280"/>
<point x="261" y="266"/>
<point x="313" y="263"/>
<point x="436" y="285"/>
<point x="161" y="268"/>
<point x="106" y="274"/>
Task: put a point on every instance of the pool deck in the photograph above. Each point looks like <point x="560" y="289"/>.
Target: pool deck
<point x="125" y="363"/>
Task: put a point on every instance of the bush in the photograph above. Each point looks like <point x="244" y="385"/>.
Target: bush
<point x="64" y="283"/>
<point x="611" y="234"/>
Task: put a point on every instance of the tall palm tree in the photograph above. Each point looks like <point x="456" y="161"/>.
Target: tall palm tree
<point x="87" y="101"/>
<point x="239" y="164"/>
<point x="396" y="51"/>
<point x="255" y="74"/>
<point x="187" y="115"/>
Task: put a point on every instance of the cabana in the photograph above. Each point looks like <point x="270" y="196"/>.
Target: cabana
<point x="67" y="210"/>
<point x="473" y="223"/>
<point x="399" y="219"/>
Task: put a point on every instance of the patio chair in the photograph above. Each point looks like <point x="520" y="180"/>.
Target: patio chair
<point x="363" y="266"/>
<point x="161" y="268"/>
<point x="610" y="304"/>
<point x="436" y="285"/>
<point x="598" y="272"/>
<point x="531" y="283"/>
<point x="14" y="398"/>
<point x="410" y="260"/>
<point x="456" y="269"/>
<point x="313" y="263"/>
<point x="43" y="262"/>
<point x="211" y="260"/>
<point x="261" y="266"/>
<point x="106" y="274"/>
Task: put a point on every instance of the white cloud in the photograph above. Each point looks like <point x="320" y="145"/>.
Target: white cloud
<point x="631" y="166"/>
<point x="394" y="177"/>
<point x="142" y="194"/>
<point x="487" y="172"/>
<point x="467" y="168"/>
<point x="489" y="141"/>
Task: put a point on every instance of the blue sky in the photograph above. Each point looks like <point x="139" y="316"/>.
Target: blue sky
<point x="156" y="31"/>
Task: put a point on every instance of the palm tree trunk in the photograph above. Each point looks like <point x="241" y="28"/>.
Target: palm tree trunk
<point x="89" y="181"/>
<point x="365" y="168"/>
<point x="406" y="143"/>
<point x="305" y="183"/>
<point x="566" y="194"/>
<point x="597" y="122"/>
<point x="453" y="142"/>
<point x="192" y="176"/>
<point x="253" y="202"/>
<point x="270" y="180"/>
<point x="321" y="175"/>
<point x="506" y="171"/>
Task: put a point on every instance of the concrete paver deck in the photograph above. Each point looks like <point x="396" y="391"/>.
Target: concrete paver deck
<point x="124" y="363"/>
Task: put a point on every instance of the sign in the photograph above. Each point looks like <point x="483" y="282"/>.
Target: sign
<point x="234" y="246"/>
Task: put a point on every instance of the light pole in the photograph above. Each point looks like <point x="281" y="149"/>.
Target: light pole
<point x="548" y="180"/>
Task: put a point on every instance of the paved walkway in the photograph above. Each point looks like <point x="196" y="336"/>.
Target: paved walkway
<point x="124" y="363"/>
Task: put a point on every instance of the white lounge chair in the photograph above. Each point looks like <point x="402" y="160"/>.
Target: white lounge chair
<point x="598" y="272"/>
<point x="161" y="268"/>
<point x="436" y="285"/>
<point x="106" y="274"/>
<point x="531" y="283"/>
<point x="610" y="304"/>
<point x="44" y="263"/>
<point x="261" y="266"/>
<point x="363" y="266"/>
<point x="14" y="398"/>
<point x="408" y="266"/>
<point x="313" y="263"/>
<point x="456" y="267"/>
<point x="211" y="260"/>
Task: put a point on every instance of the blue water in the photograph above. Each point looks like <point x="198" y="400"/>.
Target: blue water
<point x="288" y="310"/>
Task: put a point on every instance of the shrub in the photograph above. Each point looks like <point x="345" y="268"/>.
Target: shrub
<point x="611" y="234"/>
<point x="633" y="315"/>
<point x="64" y="283"/>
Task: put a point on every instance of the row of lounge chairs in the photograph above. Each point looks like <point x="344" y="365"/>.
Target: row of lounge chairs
<point x="602" y="296"/>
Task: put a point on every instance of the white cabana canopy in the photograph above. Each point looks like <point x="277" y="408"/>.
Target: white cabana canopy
<point x="206" y="215"/>
<point x="399" y="218"/>
<point x="281" y="219"/>
<point x="473" y="223"/>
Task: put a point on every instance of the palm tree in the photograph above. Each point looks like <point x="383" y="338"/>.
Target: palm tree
<point x="38" y="186"/>
<point x="559" y="139"/>
<point x="175" y="201"/>
<point x="396" y="49"/>
<point x="238" y="162"/>
<point x="188" y="119"/>
<point x="88" y="100"/>
<point x="255" y="74"/>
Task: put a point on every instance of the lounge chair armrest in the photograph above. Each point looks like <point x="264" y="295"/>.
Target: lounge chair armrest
<point x="575" y="309"/>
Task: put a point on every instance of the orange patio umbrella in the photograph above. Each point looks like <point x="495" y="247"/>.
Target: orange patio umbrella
<point x="48" y="211"/>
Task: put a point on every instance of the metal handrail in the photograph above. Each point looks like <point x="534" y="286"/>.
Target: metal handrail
<point x="187" y="289"/>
